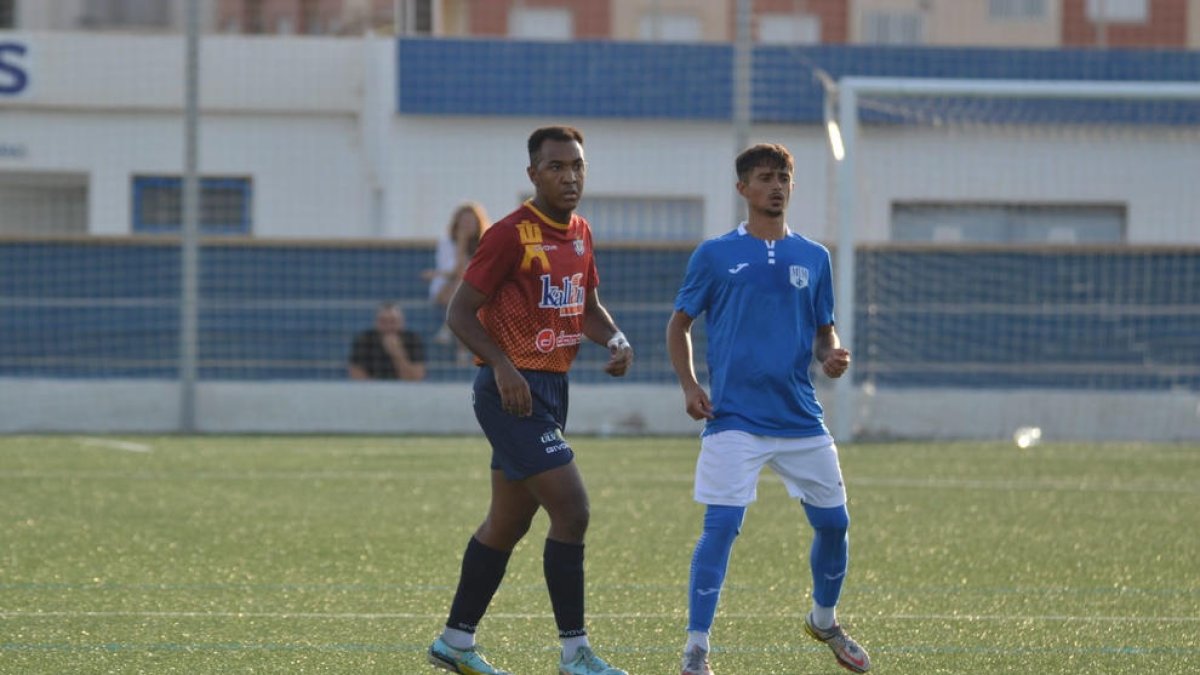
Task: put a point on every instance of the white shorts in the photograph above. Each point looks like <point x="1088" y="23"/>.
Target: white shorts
<point x="730" y="462"/>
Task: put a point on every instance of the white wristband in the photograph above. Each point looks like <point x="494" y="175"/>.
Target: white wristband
<point x="618" y="341"/>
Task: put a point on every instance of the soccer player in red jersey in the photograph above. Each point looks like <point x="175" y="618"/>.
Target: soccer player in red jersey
<point x="527" y="300"/>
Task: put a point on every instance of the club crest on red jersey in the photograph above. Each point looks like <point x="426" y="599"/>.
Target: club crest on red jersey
<point x="580" y="247"/>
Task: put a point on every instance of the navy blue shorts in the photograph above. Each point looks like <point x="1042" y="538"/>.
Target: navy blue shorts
<point x="525" y="446"/>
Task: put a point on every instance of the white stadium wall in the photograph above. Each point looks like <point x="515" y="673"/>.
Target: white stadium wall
<point x="109" y="107"/>
<point x="314" y="126"/>
<point x="435" y="167"/>
<point x="144" y="407"/>
<point x="1145" y="169"/>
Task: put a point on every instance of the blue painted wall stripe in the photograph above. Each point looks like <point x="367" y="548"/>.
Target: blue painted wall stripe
<point x="694" y="81"/>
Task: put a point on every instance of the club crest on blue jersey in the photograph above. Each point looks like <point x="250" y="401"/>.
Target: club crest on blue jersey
<point x="568" y="299"/>
<point x="798" y="275"/>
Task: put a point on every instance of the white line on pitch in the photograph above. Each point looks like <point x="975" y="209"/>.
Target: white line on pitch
<point x="358" y="616"/>
<point x="1032" y="486"/>
<point x="112" y="444"/>
<point x="1073" y="486"/>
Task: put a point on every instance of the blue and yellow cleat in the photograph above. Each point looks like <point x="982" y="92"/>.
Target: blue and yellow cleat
<point x="462" y="661"/>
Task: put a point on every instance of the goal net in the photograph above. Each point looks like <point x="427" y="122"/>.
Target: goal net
<point x="1018" y="255"/>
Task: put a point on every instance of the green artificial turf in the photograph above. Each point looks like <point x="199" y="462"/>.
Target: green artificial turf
<point x="301" y="554"/>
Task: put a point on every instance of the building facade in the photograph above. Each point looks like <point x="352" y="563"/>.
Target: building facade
<point x="137" y="16"/>
<point x="1161" y="24"/>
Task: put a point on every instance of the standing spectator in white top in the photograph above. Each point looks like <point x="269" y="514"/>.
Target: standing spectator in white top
<point x="454" y="250"/>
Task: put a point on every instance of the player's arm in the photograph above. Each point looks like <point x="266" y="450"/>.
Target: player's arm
<point x="829" y="353"/>
<point x="679" y="348"/>
<point x="463" y="319"/>
<point x="599" y="327"/>
<point x="406" y="368"/>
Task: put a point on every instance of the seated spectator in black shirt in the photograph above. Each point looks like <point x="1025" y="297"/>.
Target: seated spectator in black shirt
<point x="388" y="351"/>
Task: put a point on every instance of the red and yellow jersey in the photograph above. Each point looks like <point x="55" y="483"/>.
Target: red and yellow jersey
<point x="536" y="274"/>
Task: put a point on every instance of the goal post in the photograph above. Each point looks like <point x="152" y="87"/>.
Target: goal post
<point x="951" y="110"/>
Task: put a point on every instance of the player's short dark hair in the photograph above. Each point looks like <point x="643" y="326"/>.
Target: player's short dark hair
<point x="772" y="155"/>
<point x="552" y="133"/>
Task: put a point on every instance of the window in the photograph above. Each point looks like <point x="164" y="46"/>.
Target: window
<point x="645" y="218"/>
<point x="8" y="14"/>
<point x="893" y="28"/>
<point x="670" y="27"/>
<point x="1119" y="11"/>
<point x="126" y="13"/>
<point x="415" y="17"/>
<point x="789" y="29"/>
<point x="37" y="203"/>
<point x="309" y="20"/>
<point x="253" y="19"/>
<point x="540" y="23"/>
<point x="1017" y="9"/>
<point x="224" y="205"/>
<point x="1008" y="223"/>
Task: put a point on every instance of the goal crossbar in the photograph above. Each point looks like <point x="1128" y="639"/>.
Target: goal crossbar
<point x="1081" y="89"/>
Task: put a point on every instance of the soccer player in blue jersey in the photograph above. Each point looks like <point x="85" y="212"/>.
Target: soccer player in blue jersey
<point x="767" y="296"/>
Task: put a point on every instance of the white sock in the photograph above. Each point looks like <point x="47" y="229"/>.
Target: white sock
<point x="571" y="645"/>
<point x="824" y="617"/>
<point x="459" y="639"/>
<point x="696" y="638"/>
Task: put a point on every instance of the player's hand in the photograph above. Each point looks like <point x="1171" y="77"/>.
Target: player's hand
<point x="514" y="391"/>
<point x="699" y="407"/>
<point x="620" y="356"/>
<point x="391" y="343"/>
<point x="836" y="362"/>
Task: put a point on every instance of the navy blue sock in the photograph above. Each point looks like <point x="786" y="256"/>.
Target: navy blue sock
<point x="830" y="554"/>
<point x="710" y="560"/>
<point x="482" y="570"/>
<point x="562" y="565"/>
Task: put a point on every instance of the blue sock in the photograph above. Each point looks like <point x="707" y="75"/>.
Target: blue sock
<point x="709" y="562"/>
<point x="830" y="555"/>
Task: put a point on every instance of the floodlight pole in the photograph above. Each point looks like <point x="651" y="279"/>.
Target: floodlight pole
<point x="743" y="89"/>
<point x="189" y="253"/>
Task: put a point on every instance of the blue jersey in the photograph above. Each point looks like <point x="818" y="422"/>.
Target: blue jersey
<point x="763" y="302"/>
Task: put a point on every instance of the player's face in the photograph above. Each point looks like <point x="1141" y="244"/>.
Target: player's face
<point x="768" y="190"/>
<point x="558" y="177"/>
<point x="389" y="321"/>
